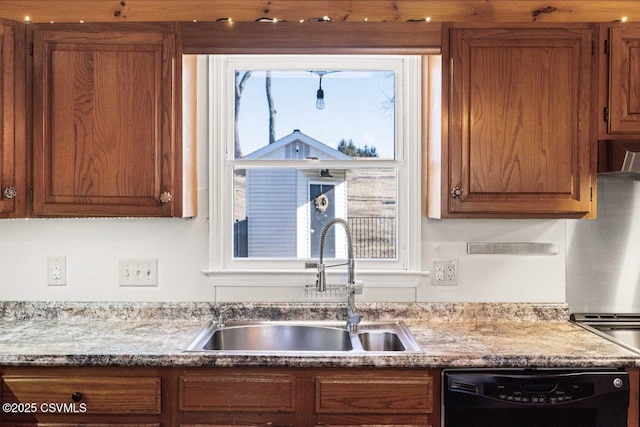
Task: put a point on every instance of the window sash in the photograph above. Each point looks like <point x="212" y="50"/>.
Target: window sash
<point x="395" y="64"/>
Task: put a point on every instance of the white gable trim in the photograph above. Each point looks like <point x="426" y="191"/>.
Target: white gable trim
<point x="331" y="153"/>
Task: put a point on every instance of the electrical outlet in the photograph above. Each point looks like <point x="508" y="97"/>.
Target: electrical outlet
<point x="445" y="272"/>
<point x="438" y="268"/>
<point x="451" y="272"/>
<point x="56" y="271"/>
<point x="138" y="272"/>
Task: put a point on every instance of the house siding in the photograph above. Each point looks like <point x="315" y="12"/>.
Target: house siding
<point x="271" y="213"/>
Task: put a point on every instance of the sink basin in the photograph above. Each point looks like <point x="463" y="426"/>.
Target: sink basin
<point x="381" y="341"/>
<point x="279" y="338"/>
<point x="319" y="337"/>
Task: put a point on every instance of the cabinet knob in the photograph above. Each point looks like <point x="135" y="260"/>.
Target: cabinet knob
<point x="456" y="192"/>
<point x="10" y="192"/>
<point x="166" y="197"/>
<point x="76" y="396"/>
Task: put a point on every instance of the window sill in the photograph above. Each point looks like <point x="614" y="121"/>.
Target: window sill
<point x="293" y="278"/>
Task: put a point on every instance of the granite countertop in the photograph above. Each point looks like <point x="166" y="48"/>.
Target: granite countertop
<point x="150" y="334"/>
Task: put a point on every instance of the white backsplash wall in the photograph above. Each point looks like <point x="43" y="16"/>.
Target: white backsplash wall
<point x="93" y="248"/>
<point x="495" y="278"/>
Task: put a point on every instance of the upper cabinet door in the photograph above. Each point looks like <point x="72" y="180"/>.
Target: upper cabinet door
<point x="104" y="137"/>
<point x="13" y="187"/>
<point x="519" y="128"/>
<point x="624" y="81"/>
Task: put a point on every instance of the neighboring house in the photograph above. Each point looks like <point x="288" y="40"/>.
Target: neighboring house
<point x="287" y="208"/>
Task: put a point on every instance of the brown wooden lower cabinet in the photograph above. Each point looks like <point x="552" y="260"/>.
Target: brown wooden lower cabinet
<point x="308" y="397"/>
<point x="207" y="397"/>
<point x="215" y="397"/>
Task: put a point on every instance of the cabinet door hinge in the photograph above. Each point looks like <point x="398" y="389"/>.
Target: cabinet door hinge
<point x="605" y="116"/>
<point x="591" y="194"/>
<point x="31" y="48"/>
<point x="31" y="195"/>
<point x="607" y="46"/>
<point x="593" y="47"/>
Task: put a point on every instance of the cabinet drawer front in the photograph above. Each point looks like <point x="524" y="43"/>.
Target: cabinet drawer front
<point x="86" y="395"/>
<point x="234" y="393"/>
<point x="385" y="395"/>
<point x="34" y="424"/>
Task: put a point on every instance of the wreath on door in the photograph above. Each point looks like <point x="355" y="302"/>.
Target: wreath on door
<point x="322" y="203"/>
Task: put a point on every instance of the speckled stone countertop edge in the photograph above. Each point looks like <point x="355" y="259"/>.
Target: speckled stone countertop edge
<point x="45" y="310"/>
<point x="417" y="361"/>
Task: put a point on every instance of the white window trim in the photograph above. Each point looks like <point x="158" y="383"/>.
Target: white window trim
<point x="223" y="269"/>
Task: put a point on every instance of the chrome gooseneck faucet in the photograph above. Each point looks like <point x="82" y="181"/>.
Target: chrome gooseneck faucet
<point x="353" y="319"/>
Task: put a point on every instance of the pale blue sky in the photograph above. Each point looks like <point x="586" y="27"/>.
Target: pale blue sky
<point x="354" y="108"/>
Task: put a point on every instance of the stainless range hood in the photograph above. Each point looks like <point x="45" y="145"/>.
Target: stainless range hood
<point x="631" y="162"/>
<point x="619" y="157"/>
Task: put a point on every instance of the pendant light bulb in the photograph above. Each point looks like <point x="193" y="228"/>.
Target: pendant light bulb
<point x="320" y="94"/>
<point x="320" y="99"/>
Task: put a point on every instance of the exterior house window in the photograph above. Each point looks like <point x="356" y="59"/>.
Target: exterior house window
<point x="299" y="140"/>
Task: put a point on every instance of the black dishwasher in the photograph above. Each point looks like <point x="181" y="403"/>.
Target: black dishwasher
<point x="535" y="398"/>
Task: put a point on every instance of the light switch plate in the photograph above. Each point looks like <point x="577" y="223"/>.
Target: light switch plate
<point x="138" y="272"/>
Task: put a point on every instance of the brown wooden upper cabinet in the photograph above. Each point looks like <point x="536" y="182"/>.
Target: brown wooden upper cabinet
<point x="106" y="121"/>
<point x="518" y="135"/>
<point x="13" y="185"/>
<point x="620" y="81"/>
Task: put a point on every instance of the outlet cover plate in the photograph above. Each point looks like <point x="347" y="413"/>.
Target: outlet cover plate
<point x="445" y="272"/>
<point x="56" y="271"/>
<point x="138" y="272"/>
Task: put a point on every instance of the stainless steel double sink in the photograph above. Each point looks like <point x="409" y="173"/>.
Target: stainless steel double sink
<point x="307" y="336"/>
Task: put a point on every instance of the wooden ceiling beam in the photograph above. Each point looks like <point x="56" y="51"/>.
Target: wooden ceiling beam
<point x="338" y="10"/>
<point x="292" y="38"/>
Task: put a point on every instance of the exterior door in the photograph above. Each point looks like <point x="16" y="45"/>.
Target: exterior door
<point x="322" y="209"/>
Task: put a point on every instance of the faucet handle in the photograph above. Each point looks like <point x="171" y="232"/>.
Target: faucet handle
<point x="353" y="317"/>
<point x="220" y="322"/>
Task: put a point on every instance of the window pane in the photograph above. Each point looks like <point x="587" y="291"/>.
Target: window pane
<point x="280" y="212"/>
<point x="339" y="113"/>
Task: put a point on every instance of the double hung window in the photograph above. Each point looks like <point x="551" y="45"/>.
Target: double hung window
<point x="298" y="140"/>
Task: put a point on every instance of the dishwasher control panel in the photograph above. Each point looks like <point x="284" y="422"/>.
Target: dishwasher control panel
<point x="538" y="392"/>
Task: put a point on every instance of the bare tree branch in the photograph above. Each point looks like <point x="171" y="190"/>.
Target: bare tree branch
<point x="272" y="109"/>
<point x="239" y="88"/>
